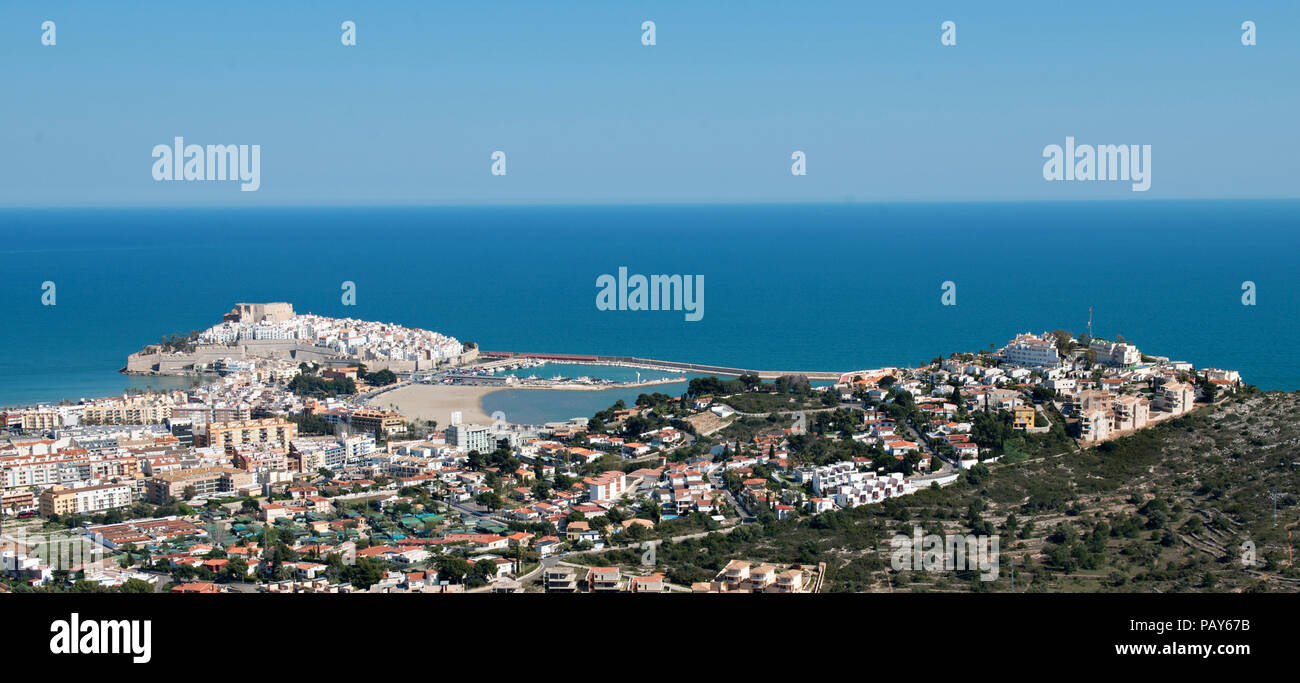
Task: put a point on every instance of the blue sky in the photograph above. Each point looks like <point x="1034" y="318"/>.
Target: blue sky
<point x="586" y="113"/>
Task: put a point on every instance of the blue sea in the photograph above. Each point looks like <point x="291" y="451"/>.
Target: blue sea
<point x="787" y="286"/>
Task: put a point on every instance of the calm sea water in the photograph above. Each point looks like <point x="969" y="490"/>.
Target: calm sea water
<point x="797" y="287"/>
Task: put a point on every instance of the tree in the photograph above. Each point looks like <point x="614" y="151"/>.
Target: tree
<point x="904" y="398"/>
<point x="235" y="570"/>
<point x="189" y="492"/>
<point x="382" y="378"/>
<point x="1064" y="340"/>
<point x="453" y="568"/>
<point x="1210" y="389"/>
<point x="365" y="573"/>
<point x="136" y="586"/>
<point x="489" y="500"/>
<point x="482" y="572"/>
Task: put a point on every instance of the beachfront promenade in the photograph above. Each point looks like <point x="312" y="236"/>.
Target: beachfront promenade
<point x="631" y="361"/>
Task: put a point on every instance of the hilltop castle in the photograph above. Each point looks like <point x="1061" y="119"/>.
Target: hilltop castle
<point x="255" y="313"/>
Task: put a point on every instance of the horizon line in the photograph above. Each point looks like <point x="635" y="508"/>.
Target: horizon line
<point x="523" y="203"/>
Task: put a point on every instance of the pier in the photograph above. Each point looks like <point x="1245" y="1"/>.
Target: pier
<point x="651" y="364"/>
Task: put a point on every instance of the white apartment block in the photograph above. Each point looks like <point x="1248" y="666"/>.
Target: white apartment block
<point x="607" y="486"/>
<point x="85" y="500"/>
<point x="1094" y="425"/>
<point x="1176" y="397"/>
<point x="1117" y="354"/>
<point x="1032" y="351"/>
<point x="851" y="488"/>
<point x="471" y="437"/>
<point x="355" y="448"/>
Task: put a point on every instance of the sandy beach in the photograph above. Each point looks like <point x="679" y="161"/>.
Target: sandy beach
<point x="439" y="401"/>
<point x="436" y="402"/>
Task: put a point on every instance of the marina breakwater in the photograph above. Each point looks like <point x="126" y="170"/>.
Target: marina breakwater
<point x="651" y="364"/>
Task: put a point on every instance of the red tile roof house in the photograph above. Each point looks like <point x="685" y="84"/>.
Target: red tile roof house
<point x="215" y="565"/>
<point x="603" y="580"/>
<point x="520" y="538"/>
<point x="647" y="584"/>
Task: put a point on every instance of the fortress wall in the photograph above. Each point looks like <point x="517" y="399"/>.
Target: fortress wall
<point x="289" y="349"/>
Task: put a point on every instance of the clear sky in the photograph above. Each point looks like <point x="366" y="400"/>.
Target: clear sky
<point x="586" y="113"/>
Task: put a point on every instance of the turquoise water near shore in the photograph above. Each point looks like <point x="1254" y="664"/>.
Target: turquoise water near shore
<point x="790" y="287"/>
<point x="529" y="406"/>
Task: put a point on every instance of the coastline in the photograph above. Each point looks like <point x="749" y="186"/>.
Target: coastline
<point x="438" y="401"/>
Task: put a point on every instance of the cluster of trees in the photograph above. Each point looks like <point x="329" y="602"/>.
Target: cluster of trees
<point x="179" y="342"/>
<point x="994" y="431"/>
<point x="1069" y="551"/>
<point x="80" y="586"/>
<point x="705" y="386"/>
<point x="313" y="385"/>
<point x="457" y="569"/>
<point x="311" y="424"/>
<point x="377" y="379"/>
<point x="785" y="384"/>
<point x="657" y="415"/>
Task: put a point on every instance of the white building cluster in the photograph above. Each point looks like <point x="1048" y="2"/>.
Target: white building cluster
<point x="1030" y="350"/>
<point x="365" y="339"/>
<point x="850" y="487"/>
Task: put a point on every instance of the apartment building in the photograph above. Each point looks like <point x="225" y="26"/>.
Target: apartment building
<point x="383" y="421"/>
<point x="86" y="500"/>
<point x="471" y="437"/>
<point x="206" y="413"/>
<point x="1064" y="386"/>
<point x="1117" y="354"/>
<point x="1130" y="412"/>
<point x="1176" y="397"/>
<point x="39" y="420"/>
<point x="66" y="466"/>
<point x="207" y="482"/>
<point x="1032" y="351"/>
<point x="1094" y="424"/>
<point x="607" y="486"/>
<point x="272" y="431"/>
<point x="1089" y="400"/>
<point x="135" y="411"/>
<point x="17" y="500"/>
<point x="313" y="454"/>
<point x="355" y="448"/>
